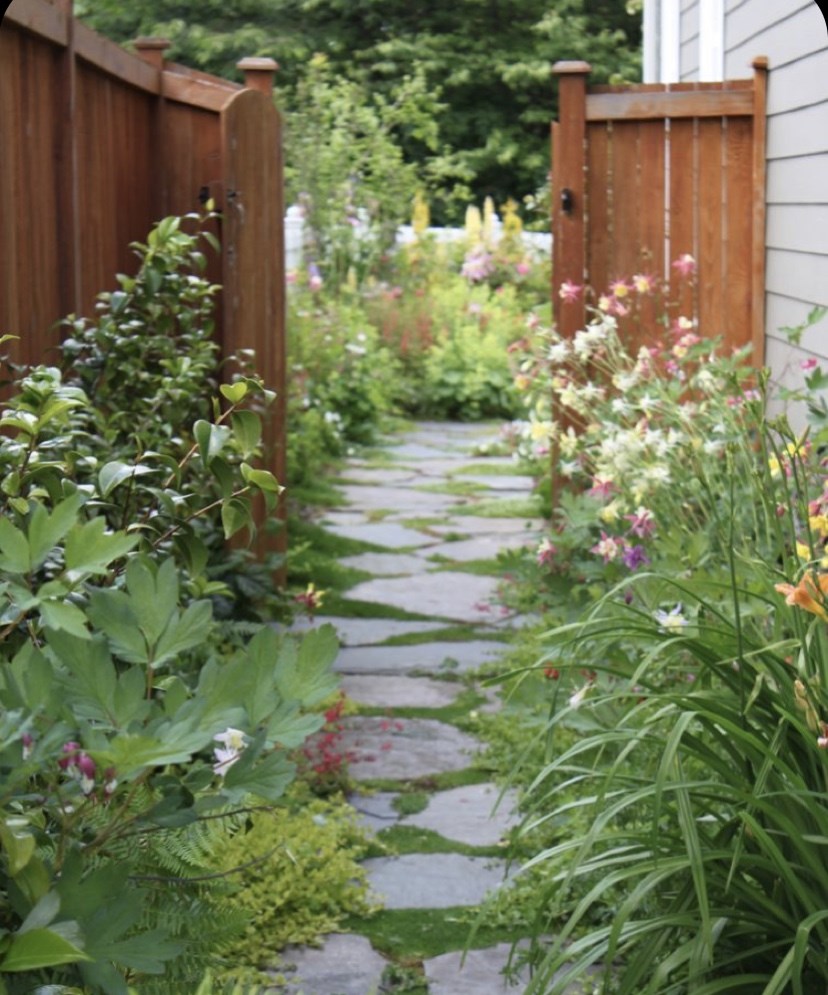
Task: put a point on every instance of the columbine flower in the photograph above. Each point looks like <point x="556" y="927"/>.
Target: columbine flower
<point x="609" y="547"/>
<point x="644" y="283"/>
<point x="546" y="552"/>
<point x="619" y="289"/>
<point x="311" y="598"/>
<point x="642" y="523"/>
<point x="233" y="742"/>
<point x="808" y="364"/>
<point x="685" y="264"/>
<point x="672" y="621"/>
<point x="570" y="292"/>
<point x="634" y="557"/>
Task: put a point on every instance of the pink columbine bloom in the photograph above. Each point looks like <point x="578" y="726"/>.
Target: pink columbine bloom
<point x="644" y="283"/>
<point x="570" y="292"/>
<point x="808" y="364"/>
<point x="685" y="264"/>
<point x="642" y="523"/>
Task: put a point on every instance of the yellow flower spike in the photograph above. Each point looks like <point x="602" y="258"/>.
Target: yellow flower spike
<point x="819" y="524"/>
<point x="803" y="551"/>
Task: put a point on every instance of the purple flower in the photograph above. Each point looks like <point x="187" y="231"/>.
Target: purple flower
<point x="634" y="557"/>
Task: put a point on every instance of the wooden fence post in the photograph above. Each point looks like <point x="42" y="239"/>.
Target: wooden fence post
<point x="68" y="232"/>
<point x="760" y="91"/>
<point x="151" y="51"/>
<point x="259" y="74"/>
<point x="568" y="186"/>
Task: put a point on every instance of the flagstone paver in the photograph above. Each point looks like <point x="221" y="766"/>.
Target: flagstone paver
<point x="344" y="965"/>
<point x="431" y="657"/>
<point x="382" y="534"/>
<point x="474" y="814"/>
<point x="478" y="548"/>
<point x="394" y="691"/>
<point x="446" y="594"/>
<point x="404" y="748"/>
<point x="473" y="972"/>
<point x="433" y="880"/>
<point x="386" y="564"/>
<point x="366" y="631"/>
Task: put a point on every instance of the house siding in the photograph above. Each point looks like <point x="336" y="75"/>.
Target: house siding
<point x="689" y="40"/>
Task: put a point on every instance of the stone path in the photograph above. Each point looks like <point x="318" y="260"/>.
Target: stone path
<point x="422" y="571"/>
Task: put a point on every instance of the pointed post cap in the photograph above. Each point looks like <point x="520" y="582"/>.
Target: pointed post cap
<point x="258" y="74"/>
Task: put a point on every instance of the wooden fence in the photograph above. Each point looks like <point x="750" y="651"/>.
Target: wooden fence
<point x="97" y="144"/>
<point x="643" y="174"/>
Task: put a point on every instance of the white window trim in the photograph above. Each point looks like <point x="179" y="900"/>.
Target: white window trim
<point x="711" y="41"/>
<point x="652" y="14"/>
<point x="669" y="41"/>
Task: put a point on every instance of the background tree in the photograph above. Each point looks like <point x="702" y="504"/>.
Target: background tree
<point x="487" y="62"/>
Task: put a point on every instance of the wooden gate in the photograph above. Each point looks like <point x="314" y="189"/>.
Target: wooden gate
<point x="644" y="174"/>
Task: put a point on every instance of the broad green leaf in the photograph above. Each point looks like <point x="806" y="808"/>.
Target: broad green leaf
<point x="14" y="549"/>
<point x="46" y="531"/>
<point x="115" y="472"/>
<point x="289" y="727"/>
<point x="267" y="778"/>
<point x="263" y="479"/>
<point x="234" y="392"/>
<point x="38" y="949"/>
<point x="63" y="615"/>
<point x="153" y="594"/>
<point x="90" y="549"/>
<point x="211" y="439"/>
<point x="92" y="687"/>
<point x="19" y="848"/>
<point x="247" y="431"/>
<point x="129" y="754"/>
<point x="43" y="913"/>
<point x="189" y="630"/>
<point x="235" y="515"/>
<point x="309" y="677"/>
<point x="112" y="613"/>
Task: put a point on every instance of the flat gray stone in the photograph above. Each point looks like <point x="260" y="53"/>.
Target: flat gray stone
<point x="433" y="880"/>
<point x="404" y="748"/>
<point x="430" y="657"/>
<point x="478" y="548"/>
<point x="375" y="812"/>
<point x="364" y="631"/>
<point x="388" y="534"/>
<point x="414" y="451"/>
<point x="501" y="482"/>
<point x="344" y="965"/>
<point x="399" y="499"/>
<point x="468" y="814"/>
<point x="459" y="596"/>
<point x="379" y="476"/>
<point x="478" y="525"/>
<point x="475" y="972"/>
<point x="386" y="564"/>
<point x="385" y="691"/>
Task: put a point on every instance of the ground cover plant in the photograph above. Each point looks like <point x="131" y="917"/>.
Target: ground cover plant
<point x="685" y="729"/>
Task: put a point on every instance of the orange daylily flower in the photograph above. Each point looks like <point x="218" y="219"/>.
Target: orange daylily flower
<point x="809" y="594"/>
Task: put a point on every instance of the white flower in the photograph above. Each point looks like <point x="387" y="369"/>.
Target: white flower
<point x="577" y="698"/>
<point x="672" y="621"/>
<point x="558" y="353"/>
<point x="233" y="742"/>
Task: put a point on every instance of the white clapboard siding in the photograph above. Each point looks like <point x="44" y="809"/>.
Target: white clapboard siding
<point x="689" y="40"/>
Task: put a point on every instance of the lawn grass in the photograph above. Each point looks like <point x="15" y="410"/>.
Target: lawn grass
<point x="494" y="470"/>
<point x="503" y="508"/>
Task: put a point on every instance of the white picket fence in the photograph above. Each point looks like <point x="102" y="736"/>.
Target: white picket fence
<point x="538" y="243"/>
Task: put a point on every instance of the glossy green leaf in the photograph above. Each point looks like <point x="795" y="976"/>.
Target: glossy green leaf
<point x="40" y="948"/>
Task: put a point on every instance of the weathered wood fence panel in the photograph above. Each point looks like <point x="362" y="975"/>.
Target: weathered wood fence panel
<point x="644" y="174"/>
<point x="96" y="145"/>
